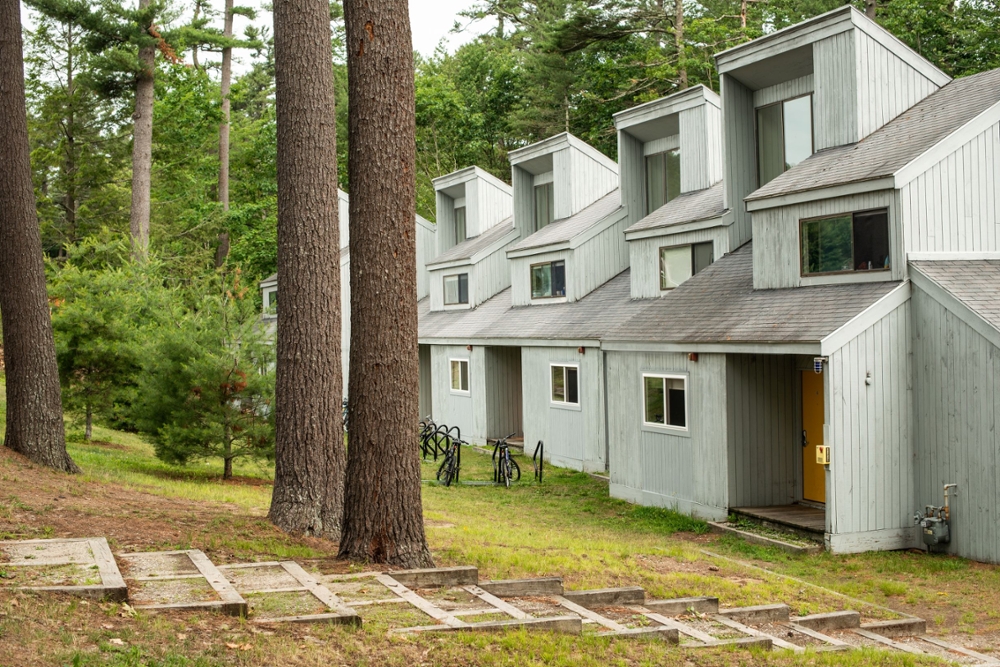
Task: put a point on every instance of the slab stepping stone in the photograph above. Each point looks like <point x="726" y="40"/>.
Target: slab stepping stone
<point x="76" y="566"/>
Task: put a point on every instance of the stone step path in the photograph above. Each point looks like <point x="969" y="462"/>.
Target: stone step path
<point x="445" y="600"/>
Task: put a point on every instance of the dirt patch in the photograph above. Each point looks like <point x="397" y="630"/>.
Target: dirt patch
<point x="263" y="578"/>
<point x="171" y="591"/>
<point x="48" y="553"/>
<point x="279" y="605"/>
<point x="28" y="576"/>
<point x="161" y="565"/>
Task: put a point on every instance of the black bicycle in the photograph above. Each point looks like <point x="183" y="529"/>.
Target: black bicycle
<point x="344" y="413"/>
<point x="505" y="468"/>
<point x="452" y="464"/>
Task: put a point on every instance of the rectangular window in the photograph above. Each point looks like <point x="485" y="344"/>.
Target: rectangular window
<point x="460" y="233"/>
<point x="663" y="178"/>
<point x="665" y="400"/>
<point x="548" y="280"/>
<point x="846" y="243"/>
<point x="784" y="137"/>
<point x="545" y="205"/>
<point x="460" y="376"/>
<point x="678" y="263"/>
<point x="565" y="384"/>
<point x="271" y="303"/>
<point x="456" y="289"/>
<point x="702" y="256"/>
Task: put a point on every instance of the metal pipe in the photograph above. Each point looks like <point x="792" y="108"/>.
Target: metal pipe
<point x="947" y="509"/>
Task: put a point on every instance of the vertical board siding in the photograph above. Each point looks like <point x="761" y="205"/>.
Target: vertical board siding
<point x="835" y="102"/>
<point x="426" y="388"/>
<point x="523" y="184"/>
<point x="445" y="222"/>
<point x="598" y="260"/>
<point x="870" y="485"/>
<point x="886" y="85"/>
<point x="776" y="252"/>
<point x="503" y="391"/>
<point x="426" y="251"/>
<point x="764" y="420"/>
<point x="574" y="438"/>
<point x="489" y="277"/>
<point x="954" y="206"/>
<point x="466" y="412"/>
<point x="583" y="180"/>
<point x="493" y="207"/>
<point x="345" y="320"/>
<point x="632" y="167"/>
<point x="741" y="155"/>
<point x="694" y="149"/>
<point x="956" y="406"/>
<point x="713" y="140"/>
<point x="783" y="91"/>
<point x="689" y="472"/>
<point x="644" y="257"/>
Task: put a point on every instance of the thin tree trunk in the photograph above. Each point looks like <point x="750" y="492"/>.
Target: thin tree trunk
<point x="34" y="398"/>
<point x="679" y="42"/>
<point x="142" y="149"/>
<point x="383" y="517"/>
<point x="88" y="433"/>
<point x="227" y="73"/>
<point x="194" y="47"/>
<point x="870" y="7"/>
<point x="308" y="492"/>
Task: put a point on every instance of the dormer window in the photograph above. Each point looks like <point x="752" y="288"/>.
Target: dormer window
<point x="456" y="289"/>
<point x="460" y="231"/>
<point x="545" y="205"/>
<point x="784" y="137"/>
<point x="678" y="263"/>
<point x="548" y="280"/>
<point x="663" y="178"/>
<point x="846" y="243"/>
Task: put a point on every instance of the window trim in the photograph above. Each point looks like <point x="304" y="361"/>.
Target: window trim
<point x="531" y="272"/>
<point x="444" y="289"/>
<point x="267" y="312"/>
<point x="756" y="131"/>
<point x="645" y="170"/>
<point x="852" y="272"/>
<point x="666" y="428"/>
<point x="468" y="376"/>
<point x="565" y="405"/>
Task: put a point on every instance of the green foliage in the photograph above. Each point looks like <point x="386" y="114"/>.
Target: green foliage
<point x="207" y="384"/>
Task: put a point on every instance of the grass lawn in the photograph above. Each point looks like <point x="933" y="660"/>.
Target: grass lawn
<point x="567" y="526"/>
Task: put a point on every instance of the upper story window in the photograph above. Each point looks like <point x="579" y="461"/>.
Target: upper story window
<point x="460" y="232"/>
<point x="678" y="263"/>
<point x="460" y="376"/>
<point x="548" y="280"/>
<point x="565" y="384"/>
<point x="663" y="178"/>
<point x="545" y="205"/>
<point x="846" y="243"/>
<point x="270" y="298"/>
<point x="665" y="400"/>
<point x="456" y="289"/>
<point x="784" y="137"/>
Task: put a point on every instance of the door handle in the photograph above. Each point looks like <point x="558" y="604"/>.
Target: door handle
<point x="805" y="440"/>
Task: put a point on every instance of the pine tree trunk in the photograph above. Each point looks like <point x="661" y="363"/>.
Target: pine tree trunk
<point x="88" y="433"/>
<point x="310" y="458"/>
<point x="383" y="518"/>
<point x="34" y="398"/>
<point x="142" y="149"/>
<point x="227" y="74"/>
<point x="679" y="43"/>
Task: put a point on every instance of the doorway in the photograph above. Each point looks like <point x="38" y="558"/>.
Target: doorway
<point x="813" y="473"/>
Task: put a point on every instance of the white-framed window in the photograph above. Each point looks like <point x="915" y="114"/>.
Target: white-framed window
<point x="548" y="280"/>
<point x="665" y="403"/>
<point x="459" y="376"/>
<point x="270" y="299"/>
<point x="456" y="289"/>
<point x="564" y="386"/>
<point x="678" y="263"/>
<point x="460" y="231"/>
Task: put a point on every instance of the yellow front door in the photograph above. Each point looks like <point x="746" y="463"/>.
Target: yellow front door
<point x="813" y="474"/>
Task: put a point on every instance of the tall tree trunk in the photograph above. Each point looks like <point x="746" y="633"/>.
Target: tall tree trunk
<point x="870" y="6"/>
<point x="69" y="165"/>
<point x="142" y="149"/>
<point x="309" y="467"/>
<point x="227" y="74"/>
<point x="88" y="432"/>
<point x="679" y="43"/>
<point x="34" y="399"/>
<point x="383" y="518"/>
<point x="194" y="47"/>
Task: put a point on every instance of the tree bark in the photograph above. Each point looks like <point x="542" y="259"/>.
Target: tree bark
<point x="142" y="149"/>
<point x="870" y="7"/>
<point x="679" y="43"/>
<point x="310" y="458"/>
<point x="34" y="398"/>
<point x="227" y="74"/>
<point x="88" y="433"/>
<point x="383" y="518"/>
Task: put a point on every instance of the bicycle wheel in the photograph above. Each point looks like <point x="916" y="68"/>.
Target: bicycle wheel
<point x="444" y="473"/>
<point x="515" y="471"/>
<point x="505" y="472"/>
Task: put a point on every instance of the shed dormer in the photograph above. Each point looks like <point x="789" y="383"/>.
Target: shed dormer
<point x="469" y="202"/>
<point x="829" y="81"/>
<point x="557" y="178"/>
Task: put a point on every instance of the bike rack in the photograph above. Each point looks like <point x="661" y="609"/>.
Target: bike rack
<point x="540" y="456"/>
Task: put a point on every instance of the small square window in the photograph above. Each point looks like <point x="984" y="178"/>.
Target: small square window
<point x="460" y="376"/>
<point x="665" y="401"/>
<point x="565" y="385"/>
<point x="548" y="280"/>
<point x="456" y="289"/>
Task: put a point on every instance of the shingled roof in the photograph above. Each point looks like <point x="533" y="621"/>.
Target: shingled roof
<point x="895" y="145"/>
<point x="720" y="305"/>
<point x="468" y="249"/>
<point x="688" y="207"/>
<point x="565" y="229"/>
<point x="974" y="282"/>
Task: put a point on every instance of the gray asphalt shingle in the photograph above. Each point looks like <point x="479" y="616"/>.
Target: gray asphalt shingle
<point x="688" y="207"/>
<point x="565" y="229"/>
<point x="467" y="249"/>
<point x="974" y="282"/>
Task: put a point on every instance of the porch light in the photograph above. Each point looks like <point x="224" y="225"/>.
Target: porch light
<point x="818" y="364"/>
